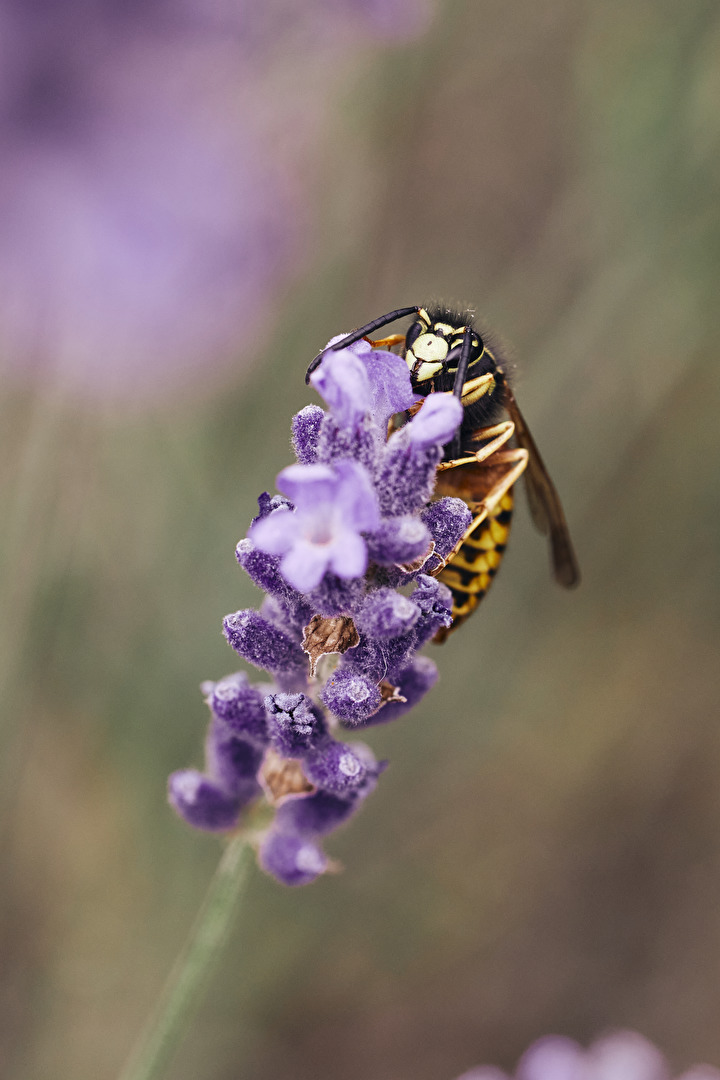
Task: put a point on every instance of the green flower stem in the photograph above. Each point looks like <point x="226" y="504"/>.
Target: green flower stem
<point x="185" y="986"/>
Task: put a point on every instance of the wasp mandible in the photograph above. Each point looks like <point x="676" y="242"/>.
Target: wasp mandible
<point x="445" y="352"/>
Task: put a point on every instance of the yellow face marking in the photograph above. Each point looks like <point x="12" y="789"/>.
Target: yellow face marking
<point x="426" y="371"/>
<point x="422" y="314"/>
<point x="430" y="347"/>
<point x="446" y="329"/>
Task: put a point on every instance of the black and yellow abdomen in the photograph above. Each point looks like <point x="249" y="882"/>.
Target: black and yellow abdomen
<point x="470" y="571"/>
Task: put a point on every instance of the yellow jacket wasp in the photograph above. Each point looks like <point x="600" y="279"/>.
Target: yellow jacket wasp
<point x="446" y="353"/>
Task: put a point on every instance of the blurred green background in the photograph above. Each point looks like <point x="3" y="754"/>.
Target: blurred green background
<point x="543" y="853"/>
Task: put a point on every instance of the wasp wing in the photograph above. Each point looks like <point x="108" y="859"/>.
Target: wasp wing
<point x="545" y="506"/>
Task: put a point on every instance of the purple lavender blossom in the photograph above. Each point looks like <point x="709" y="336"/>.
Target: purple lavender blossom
<point x="352" y="527"/>
<point x="362" y="380"/>
<point x="623" y="1055"/>
<point x="333" y="507"/>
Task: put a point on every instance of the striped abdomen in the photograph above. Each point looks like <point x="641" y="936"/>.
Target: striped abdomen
<point x="470" y="571"/>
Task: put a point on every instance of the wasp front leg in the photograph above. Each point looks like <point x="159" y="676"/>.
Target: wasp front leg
<point x="386" y="343"/>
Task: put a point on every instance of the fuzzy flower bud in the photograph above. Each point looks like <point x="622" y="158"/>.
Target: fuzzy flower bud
<point x="292" y="859"/>
<point x="203" y="803"/>
<point x="239" y="706"/>
<point x="351" y="696"/>
<point x="336" y="767"/>
<point x="387" y="614"/>
<point x="257" y="640"/>
<point x="296" y="725"/>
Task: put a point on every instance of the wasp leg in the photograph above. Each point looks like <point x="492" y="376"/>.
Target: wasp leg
<point x="514" y="464"/>
<point x="499" y="434"/>
<point x="361" y="332"/>
<point x="386" y="343"/>
<point x="474" y="389"/>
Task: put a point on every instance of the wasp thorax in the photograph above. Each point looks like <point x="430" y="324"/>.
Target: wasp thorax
<point x="426" y="357"/>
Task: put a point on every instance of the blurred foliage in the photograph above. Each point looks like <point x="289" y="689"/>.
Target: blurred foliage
<point x="543" y="853"/>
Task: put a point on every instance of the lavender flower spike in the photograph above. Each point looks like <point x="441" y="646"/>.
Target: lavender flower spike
<point x="354" y="525"/>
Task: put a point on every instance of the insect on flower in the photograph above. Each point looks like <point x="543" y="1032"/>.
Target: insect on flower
<point x="446" y="353"/>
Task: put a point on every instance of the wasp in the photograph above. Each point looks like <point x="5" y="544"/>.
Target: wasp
<point x="446" y="353"/>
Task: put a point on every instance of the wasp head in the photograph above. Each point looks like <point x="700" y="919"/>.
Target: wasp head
<point x="433" y="345"/>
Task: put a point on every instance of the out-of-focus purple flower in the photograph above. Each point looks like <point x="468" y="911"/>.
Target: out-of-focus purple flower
<point x="333" y="506"/>
<point x="150" y="201"/>
<point x="393" y="18"/>
<point x="623" y="1055"/>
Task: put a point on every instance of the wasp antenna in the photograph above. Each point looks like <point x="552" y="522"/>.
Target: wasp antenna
<point x="463" y="363"/>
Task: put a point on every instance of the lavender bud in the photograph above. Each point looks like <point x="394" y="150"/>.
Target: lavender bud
<point x="335" y="767"/>
<point x="447" y="519"/>
<point x="233" y="762"/>
<point x="336" y="596"/>
<point x="351" y="696"/>
<point x="305" y="432"/>
<point x="291" y="859"/>
<point x="369" y="656"/>
<point x="316" y="814"/>
<point x="256" y="639"/>
<point x="267" y="503"/>
<point x="296" y="725"/>
<point x="435" y="602"/>
<point x="412" y="683"/>
<point x="406" y="477"/>
<point x="240" y="706"/>
<point x="436" y="423"/>
<point x="264" y="570"/>
<point x="387" y="614"/>
<point x="399" y="540"/>
<point x="360" y="442"/>
<point x="203" y="803"/>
